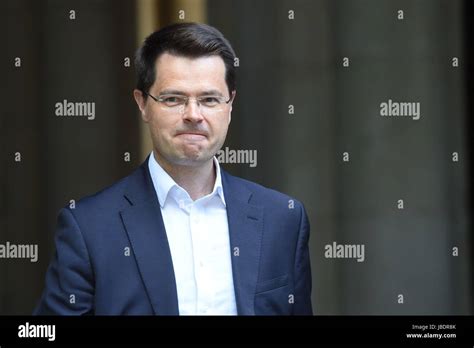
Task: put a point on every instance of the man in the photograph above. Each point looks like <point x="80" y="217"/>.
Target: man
<point x="180" y="236"/>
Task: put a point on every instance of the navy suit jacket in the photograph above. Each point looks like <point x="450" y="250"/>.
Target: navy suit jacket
<point x="92" y="272"/>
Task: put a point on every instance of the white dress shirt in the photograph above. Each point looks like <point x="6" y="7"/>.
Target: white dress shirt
<point x="198" y="236"/>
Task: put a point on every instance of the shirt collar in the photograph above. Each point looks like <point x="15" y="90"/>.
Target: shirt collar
<point x="164" y="183"/>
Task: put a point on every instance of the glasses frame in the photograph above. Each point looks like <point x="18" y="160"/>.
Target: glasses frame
<point x="186" y="99"/>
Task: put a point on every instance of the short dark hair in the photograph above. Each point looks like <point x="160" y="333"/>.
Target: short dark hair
<point x="191" y="40"/>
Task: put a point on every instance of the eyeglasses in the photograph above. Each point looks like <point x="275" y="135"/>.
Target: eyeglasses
<point x="206" y="103"/>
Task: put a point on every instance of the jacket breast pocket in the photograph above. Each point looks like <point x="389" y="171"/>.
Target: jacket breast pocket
<point x="274" y="296"/>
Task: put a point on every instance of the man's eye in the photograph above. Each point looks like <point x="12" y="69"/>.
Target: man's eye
<point x="172" y="100"/>
<point x="210" y="101"/>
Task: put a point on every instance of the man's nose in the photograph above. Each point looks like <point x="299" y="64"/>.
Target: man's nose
<point x="192" y="111"/>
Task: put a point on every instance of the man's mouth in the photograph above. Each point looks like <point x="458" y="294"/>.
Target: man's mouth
<point x="192" y="135"/>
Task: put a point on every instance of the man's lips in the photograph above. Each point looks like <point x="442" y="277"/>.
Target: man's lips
<point x="192" y="135"/>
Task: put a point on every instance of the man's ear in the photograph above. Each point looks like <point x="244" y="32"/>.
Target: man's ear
<point x="141" y="102"/>
<point x="234" y="92"/>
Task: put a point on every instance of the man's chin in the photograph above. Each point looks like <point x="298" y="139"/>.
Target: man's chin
<point x="193" y="159"/>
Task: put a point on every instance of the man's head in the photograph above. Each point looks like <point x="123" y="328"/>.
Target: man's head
<point x="185" y="90"/>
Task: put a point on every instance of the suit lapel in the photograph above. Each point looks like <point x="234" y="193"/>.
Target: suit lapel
<point x="245" y="231"/>
<point x="146" y="231"/>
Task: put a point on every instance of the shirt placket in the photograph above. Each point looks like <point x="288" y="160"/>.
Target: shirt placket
<point x="201" y="264"/>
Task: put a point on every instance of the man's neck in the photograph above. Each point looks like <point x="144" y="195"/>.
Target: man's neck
<point x="198" y="181"/>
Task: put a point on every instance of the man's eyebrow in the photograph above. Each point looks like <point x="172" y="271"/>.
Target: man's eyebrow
<point x="211" y="92"/>
<point x="172" y="91"/>
<point x="178" y="92"/>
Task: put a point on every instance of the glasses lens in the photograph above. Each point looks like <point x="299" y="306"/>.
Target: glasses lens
<point x="208" y="105"/>
<point x="172" y="100"/>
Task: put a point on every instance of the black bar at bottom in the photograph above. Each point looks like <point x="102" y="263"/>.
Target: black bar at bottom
<point x="430" y="331"/>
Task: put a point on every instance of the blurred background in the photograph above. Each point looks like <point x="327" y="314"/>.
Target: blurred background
<point x="283" y="62"/>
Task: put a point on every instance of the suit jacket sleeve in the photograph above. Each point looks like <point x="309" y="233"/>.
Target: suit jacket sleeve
<point x="302" y="300"/>
<point x="69" y="288"/>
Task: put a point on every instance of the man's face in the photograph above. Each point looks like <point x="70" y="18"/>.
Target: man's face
<point x="188" y="134"/>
